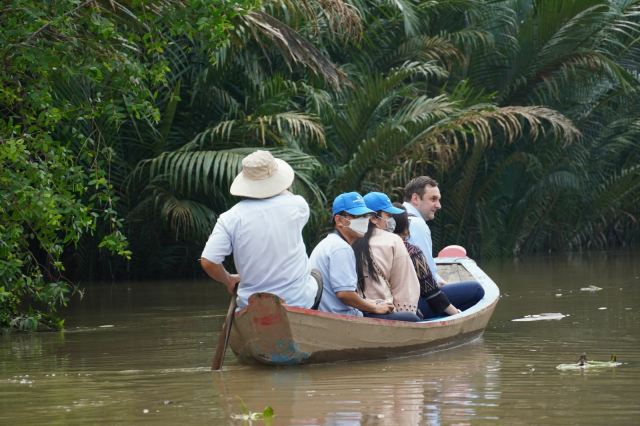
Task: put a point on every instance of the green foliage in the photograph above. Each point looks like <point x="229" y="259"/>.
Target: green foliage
<point x="249" y="416"/>
<point x="74" y="74"/>
<point x="40" y="213"/>
<point x="581" y="59"/>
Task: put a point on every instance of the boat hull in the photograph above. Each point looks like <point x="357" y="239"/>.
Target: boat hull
<point x="269" y="332"/>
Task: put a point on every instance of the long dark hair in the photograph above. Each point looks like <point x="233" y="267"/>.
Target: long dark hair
<point x="402" y="219"/>
<point x="362" y="251"/>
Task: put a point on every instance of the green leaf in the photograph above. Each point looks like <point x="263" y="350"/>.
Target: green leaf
<point x="267" y="413"/>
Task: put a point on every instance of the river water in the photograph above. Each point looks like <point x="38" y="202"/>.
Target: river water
<point x="140" y="353"/>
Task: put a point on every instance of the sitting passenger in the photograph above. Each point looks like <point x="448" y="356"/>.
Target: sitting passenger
<point x="384" y="268"/>
<point x="422" y="201"/>
<point x="430" y="292"/>
<point x="334" y="258"/>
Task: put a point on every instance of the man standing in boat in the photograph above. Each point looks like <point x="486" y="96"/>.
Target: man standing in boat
<point x="264" y="233"/>
<point x="334" y="258"/>
<point x="422" y="201"/>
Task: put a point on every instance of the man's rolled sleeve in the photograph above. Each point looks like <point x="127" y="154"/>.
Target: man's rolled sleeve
<point x="219" y="244"/>
<point x="342" y="269"/>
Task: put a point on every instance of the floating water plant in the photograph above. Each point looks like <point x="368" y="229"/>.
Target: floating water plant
<point x="583" y="364"/>
<point x="249" y="416"/>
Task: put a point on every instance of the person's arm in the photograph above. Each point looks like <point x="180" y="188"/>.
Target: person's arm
<point x="452" y="310"/>
<point x="218" y="272"/>
<point x="403" y="279"/>
<point x="353" y="299"/>
<point x="344" y="282"/>
<point x="218" y="247"/>
<point x="439" y="303"/>
<point x="429" y="286"/>
<point x="420" y="236"/>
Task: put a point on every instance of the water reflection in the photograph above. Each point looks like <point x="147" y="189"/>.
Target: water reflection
<point x="440" y="388"/>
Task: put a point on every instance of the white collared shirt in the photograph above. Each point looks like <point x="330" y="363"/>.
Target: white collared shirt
<point x="265" y="237"/>
<point x="336" y="261"/>
<point x="420" y="235"/>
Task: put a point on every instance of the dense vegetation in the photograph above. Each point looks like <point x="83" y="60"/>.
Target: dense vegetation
<point x="124" y="122"/>
<point x="78" y="78"/>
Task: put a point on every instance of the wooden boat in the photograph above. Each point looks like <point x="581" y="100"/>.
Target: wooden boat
<point x="269" y="332"/>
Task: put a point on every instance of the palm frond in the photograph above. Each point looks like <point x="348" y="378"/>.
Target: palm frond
<point x="477" y="124"/>
<point x="425" y="110"/>
<point x="295" y="47"/>
<point x="427" y="70"/>
<point x="267" y="130"/>
<point x="409" y="15"/>
<point x="472" y="38"/>
<point x="461" y="199"/>
<point x="210" y="173"/>
<point x="610" y="204"/>
<point x="424" y="48"/>
<point x="184" y="219"/>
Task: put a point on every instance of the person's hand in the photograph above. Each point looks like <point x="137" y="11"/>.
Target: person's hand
<point x="231" y="282"/>
<point x="383" y="307"/>
<point x="451" y="310"/>
<point x="441" y="283"/>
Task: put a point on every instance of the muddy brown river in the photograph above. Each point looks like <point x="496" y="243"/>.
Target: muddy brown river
<point x="140" y="353"/>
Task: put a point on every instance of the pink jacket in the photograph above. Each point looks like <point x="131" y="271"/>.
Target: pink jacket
<point x="400" y="282"/>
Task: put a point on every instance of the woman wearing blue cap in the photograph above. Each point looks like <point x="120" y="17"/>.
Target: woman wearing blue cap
<point x="334" y="258"/>
<point x="383" y="264"/>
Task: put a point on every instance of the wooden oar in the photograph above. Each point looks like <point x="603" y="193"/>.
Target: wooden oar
<point x="223" y="338"/>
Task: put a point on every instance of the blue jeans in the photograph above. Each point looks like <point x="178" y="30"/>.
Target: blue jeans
<point x="396" y="316"/>
<point x="462" y="295"/>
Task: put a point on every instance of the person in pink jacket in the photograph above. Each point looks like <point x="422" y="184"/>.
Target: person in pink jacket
<point x="385" y="270"/>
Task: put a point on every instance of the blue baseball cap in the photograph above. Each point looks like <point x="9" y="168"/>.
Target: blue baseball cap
<point x="377" y="201"/>
<point x="350" y="202"/>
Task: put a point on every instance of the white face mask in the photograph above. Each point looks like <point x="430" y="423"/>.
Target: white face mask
<point x="359" y="225"/>
<point x="391" y="224"/>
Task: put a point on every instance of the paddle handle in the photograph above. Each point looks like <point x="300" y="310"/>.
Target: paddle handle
<point x="223" y="337"/>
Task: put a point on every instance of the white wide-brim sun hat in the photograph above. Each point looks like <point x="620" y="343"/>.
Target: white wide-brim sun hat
<point x="262" y="176"/>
